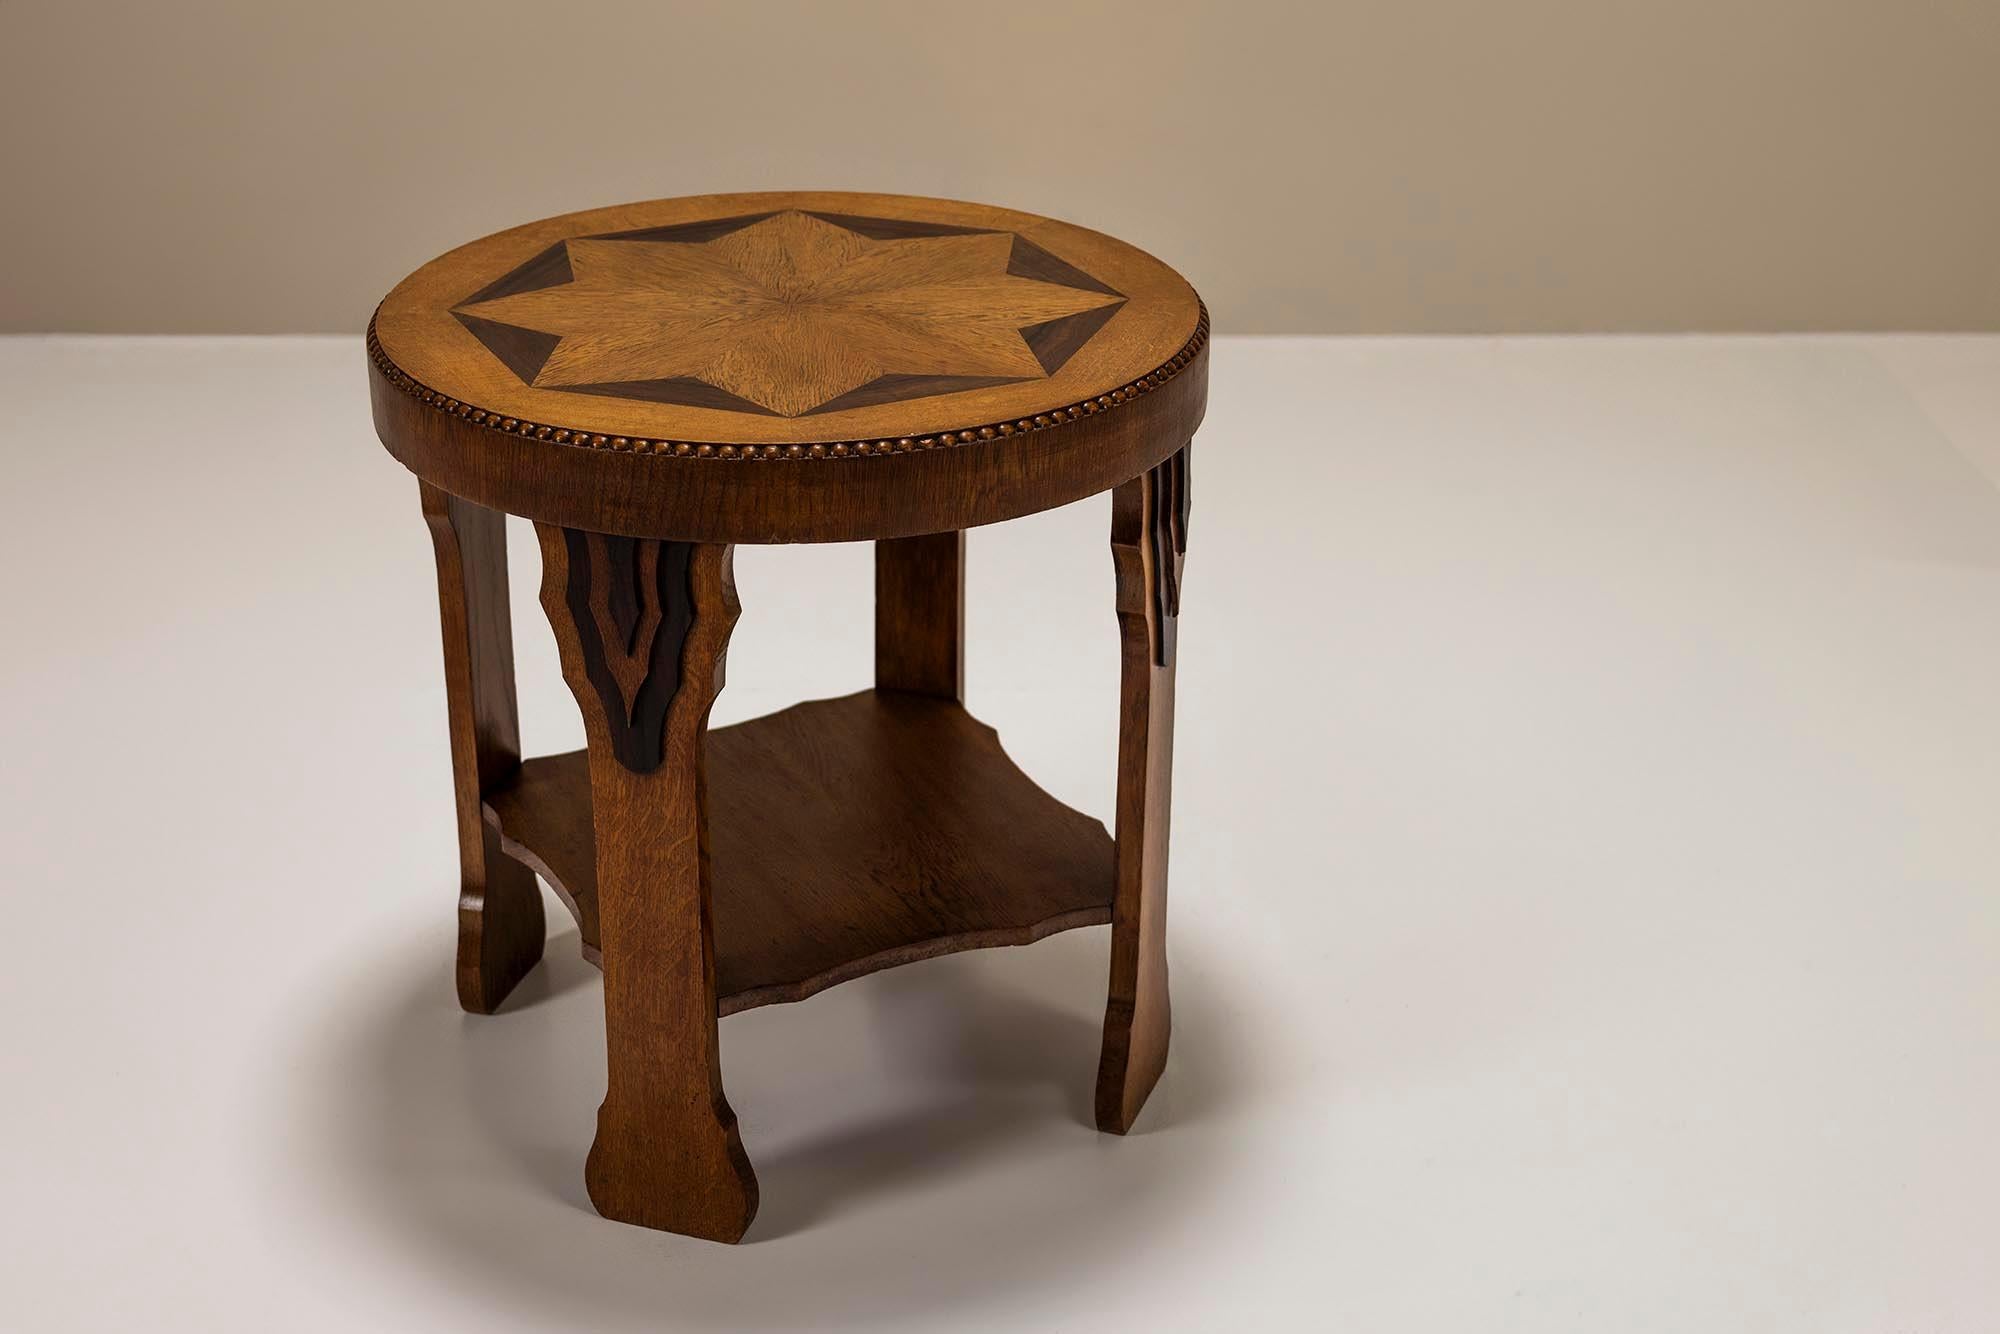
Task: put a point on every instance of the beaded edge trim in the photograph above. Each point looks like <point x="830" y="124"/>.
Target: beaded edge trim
<point x="560" y="435"/>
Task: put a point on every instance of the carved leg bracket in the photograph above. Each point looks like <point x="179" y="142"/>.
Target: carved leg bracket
<point x="1149" y="521"/>
<point x="643" y="627"/>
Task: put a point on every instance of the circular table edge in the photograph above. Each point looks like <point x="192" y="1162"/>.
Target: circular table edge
<point x="855" y="490"/>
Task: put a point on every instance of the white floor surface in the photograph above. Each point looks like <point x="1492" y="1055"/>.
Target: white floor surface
<point x="1586" y="877"/>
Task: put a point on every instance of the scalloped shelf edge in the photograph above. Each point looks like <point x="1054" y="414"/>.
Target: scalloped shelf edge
<point x="846" y="836"/>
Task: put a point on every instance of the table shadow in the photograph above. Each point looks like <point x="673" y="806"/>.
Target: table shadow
<point x="460" y="1140"/>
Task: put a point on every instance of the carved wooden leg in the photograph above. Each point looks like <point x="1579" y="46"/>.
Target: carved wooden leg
<point x="642" y="627"/>
<point x="1148" y="540"/>
<point x="500" y="927"/>
<point x="920" y="615"/>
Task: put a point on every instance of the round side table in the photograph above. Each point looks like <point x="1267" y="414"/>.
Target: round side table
<point x="653" y="383"/>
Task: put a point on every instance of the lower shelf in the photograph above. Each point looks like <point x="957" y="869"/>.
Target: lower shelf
<point x="845" y="836"/>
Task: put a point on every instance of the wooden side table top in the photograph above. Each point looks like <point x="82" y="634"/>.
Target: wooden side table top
<point x="793" y="367"/>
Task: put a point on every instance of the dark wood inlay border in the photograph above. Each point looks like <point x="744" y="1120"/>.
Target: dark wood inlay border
<point x="682" y="389"/>
<point x="1055" y="342"/>
<point x="901" y="388"/>
<point x="689" y="233"/>
<point x="1029" y="260"/>
<point x="896" y="229"/>
<point x="522" y="351"/>
<point x="548" y="269"/>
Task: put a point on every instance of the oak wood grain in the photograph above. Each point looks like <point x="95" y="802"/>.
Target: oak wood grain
<point x="920" y="615"/>
<point x="791" y="314"/>
<point x="1148" y="538"/>
<point x="500" y="923"/>
<point x="847" y="835"/>
<point x="667" y="1153"/>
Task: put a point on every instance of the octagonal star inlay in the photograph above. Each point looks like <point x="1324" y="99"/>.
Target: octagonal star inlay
<point x="788" y="313"/>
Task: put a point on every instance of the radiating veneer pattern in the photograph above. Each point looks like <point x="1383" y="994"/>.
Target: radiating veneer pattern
<point x="788" y="313"/>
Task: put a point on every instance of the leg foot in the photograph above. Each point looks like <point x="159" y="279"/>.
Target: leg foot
<point x="500" y="929"/>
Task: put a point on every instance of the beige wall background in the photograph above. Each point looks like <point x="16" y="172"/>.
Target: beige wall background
<point x="1363" y="166"/>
